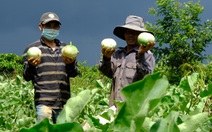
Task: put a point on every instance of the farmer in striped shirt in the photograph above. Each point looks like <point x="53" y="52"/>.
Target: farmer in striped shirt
<point x="50" y="74"/>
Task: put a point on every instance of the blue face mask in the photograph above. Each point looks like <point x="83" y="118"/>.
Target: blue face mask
<point x="50" y="34"/>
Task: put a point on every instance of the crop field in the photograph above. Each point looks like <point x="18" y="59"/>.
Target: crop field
<point x="152" y="104"/>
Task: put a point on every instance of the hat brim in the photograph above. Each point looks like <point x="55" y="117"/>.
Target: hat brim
<point x="49" y="20"/>
<point x="119" y="30"/>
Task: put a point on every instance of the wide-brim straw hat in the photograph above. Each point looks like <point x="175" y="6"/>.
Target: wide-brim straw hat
<point x="133" y="23"/>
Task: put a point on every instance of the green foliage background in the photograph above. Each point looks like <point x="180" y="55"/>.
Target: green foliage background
<point x="181" y="35"/>
<point x="194" y="91"/>
<point x="17" y="101"/>
<point x="177" y="96"/>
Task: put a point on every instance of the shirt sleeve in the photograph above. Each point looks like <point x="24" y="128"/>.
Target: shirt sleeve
<point x="29" y="70"/>
<point x="72" y="69"/>
<point x="145" y="64"/>
<point x="105" y="67"/>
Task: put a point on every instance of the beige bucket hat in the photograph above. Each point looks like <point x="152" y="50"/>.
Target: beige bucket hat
<point x="132" y="22"/>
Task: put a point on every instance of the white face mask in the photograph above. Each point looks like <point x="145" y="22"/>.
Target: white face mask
<point x="50" y="34"/>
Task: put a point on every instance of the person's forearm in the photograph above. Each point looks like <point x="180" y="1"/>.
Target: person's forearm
<point x="105" y="67"/>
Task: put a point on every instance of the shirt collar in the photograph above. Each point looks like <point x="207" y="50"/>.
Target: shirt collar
<point x="57" y="42"/>
<point x="125" y="48"/>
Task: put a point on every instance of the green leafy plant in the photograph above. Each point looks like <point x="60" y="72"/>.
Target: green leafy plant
<point x="181" y="35"/>
<point x="46" y="126"/>
<point x="145" y="108"/>
<point x="10" y="64"/>
<point x="17" y="108"/>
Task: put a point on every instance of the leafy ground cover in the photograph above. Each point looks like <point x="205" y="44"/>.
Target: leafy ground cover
<point x="152" y="104"/>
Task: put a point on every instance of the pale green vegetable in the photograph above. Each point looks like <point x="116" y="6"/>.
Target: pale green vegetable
<point x="34" y="52"/>
<point x="70" y="50"/>
<point x="108" y="43"/>
<point x="144" y="38"/>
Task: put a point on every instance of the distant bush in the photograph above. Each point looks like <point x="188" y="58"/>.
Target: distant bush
<point x="10" y="64"/>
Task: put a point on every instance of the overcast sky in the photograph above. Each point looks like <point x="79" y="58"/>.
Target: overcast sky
<point x="85" y="23"/>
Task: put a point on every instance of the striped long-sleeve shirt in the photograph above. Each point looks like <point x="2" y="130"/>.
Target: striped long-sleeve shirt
<point x="50" y="78"/>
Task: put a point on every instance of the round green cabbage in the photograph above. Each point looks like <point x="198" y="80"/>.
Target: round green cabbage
<point x="70" y="50"/>
<point x="108" y="43"/>
<point x="34" y="52"/>
<point x="144" y="38"/>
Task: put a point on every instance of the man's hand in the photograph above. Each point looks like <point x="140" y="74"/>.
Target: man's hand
<point x="34" y="62"/>
<point x="68" y="60"/>
<point x="107" y="52"/>
<point x="143" y="49"/>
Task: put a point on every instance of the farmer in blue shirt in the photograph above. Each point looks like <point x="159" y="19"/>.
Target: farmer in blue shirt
<point x="130" y="63"/>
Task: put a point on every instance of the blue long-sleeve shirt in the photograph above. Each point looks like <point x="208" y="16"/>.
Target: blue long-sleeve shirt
<point x="125" y="68"/>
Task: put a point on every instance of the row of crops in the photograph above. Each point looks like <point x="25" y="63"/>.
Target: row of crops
<point x="155" y="106"/>
<point x="152" y="104"/>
